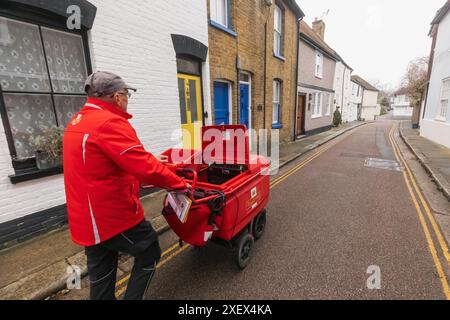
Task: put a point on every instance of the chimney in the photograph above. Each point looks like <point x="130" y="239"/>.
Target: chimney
<point x="318" y="27"/>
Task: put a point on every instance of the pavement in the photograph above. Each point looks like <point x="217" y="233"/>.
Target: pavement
<point x="434" y="157"/>
<point x="40" y="267"/>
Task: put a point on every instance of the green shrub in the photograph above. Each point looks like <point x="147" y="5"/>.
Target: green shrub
<point x="337" y="118"/>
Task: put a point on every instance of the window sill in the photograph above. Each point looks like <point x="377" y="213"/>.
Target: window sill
<point x="33" y="174"/>
<point x="279" y="57"/>
<point x="316" y="116"/>
<point x="319" y="77"/>
<point x="223" y="28"/>
<point x="277" y="126"/>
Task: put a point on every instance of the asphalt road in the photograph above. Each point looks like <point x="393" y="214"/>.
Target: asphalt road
<point x="327" y="224"/>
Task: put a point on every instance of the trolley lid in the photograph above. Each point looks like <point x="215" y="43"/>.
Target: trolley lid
<point x="225" y="144"/>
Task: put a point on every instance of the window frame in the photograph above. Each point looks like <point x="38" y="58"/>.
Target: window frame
<point x="407" y="99"/>
<point x="319" y="64"/>
<point x="443" y="112"/>
<point x="328" y="104"/>
<point x="277" y="32"/>
<point x="277" y="88"/>
<point x="317" y="105"/>
<point x="26" y="169"/>
<point x="214" y="17"/>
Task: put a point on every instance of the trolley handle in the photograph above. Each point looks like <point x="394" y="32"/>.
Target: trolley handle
<point x="194" y="181"/>
<point x="194" y="174"/>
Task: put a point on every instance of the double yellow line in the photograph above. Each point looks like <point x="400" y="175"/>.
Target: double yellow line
<point x="408" y="174"/>
<point x="172" y="252"/>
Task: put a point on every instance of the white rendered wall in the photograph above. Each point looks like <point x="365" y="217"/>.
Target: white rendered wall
<point x="435" y="129"/>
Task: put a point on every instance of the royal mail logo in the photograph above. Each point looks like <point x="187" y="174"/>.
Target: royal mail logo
<point x="254" y="201"/>
<point x="77" y="120"/>
<point x="254" y="192"/>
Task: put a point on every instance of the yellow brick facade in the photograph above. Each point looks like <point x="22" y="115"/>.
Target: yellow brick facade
<point x="250" y="51"/>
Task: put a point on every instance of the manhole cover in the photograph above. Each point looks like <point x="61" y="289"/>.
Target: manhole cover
<point x="383" y="164"/>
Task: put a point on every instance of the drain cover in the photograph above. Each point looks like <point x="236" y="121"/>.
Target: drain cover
<point x="383" y="164"/>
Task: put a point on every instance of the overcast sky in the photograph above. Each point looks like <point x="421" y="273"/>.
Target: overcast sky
<point x="377" y="38"/>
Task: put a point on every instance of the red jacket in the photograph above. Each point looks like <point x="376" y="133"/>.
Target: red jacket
<point x="104" y="163"/>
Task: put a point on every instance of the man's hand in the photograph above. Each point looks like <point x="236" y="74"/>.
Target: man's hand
<point x="163" y="159"/>
<point x="190" y="191"/>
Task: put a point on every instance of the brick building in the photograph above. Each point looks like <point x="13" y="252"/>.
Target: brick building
<point x="253" y="63"/>
<point x="158" y="46"/>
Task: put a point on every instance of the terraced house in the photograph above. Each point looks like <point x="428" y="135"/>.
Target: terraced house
<point x="369" y="109"/>
<point x="343" y="91"/>
<point x="253" y="61"/>
<point x="317" y="67"/>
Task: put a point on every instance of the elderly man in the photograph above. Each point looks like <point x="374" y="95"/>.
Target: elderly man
<point x="104" y="164"/>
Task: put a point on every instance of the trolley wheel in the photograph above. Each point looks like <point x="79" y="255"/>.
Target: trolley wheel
<point x="259" y="226"/>
<point x="244" y="252"/>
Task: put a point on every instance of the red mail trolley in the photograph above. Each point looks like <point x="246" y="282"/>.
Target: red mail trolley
<point x="230" y="191"/>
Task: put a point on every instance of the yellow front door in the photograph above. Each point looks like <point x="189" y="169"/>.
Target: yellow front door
<point x="191" y="110"/>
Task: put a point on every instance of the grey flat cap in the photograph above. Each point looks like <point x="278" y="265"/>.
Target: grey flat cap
<point x="102" y="83"/>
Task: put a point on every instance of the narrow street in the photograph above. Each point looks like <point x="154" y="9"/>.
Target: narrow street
<point x="327" y="224"/>
<point x="274" y="150"/>
<point x="331" y="220"/>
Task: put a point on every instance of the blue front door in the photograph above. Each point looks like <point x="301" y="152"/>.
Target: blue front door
<point x="244" y="110"/>
<point x="221" y="104"/>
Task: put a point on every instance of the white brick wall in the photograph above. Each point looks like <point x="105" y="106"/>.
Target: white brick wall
<point x="132" y="39"/>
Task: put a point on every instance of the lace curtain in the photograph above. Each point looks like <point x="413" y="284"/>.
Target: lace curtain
<point x="27" y="115"/>
<point x="65" y="58"/>
<point x="22" y="62"/>
<point x="67" y="107"/>
<point x="23" y="68"/>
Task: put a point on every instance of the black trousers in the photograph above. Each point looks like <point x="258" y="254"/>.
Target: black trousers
<point x="141" y="242"/>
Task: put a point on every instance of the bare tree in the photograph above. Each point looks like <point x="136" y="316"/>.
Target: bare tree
<point x="385" y="88"/>
<point x="415" y="80"/>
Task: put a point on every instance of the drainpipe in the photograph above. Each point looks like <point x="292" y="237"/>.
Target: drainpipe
<point x="265" y="71"/>
<point x="296" y="81"/>
<point x="343" y="86"/>
<point x="238" y="70"/>
<point x="424" y="104"/>
<point x="362" y="103"/>
<point x="238" y="86"/>
<point x="268" y="5"/>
